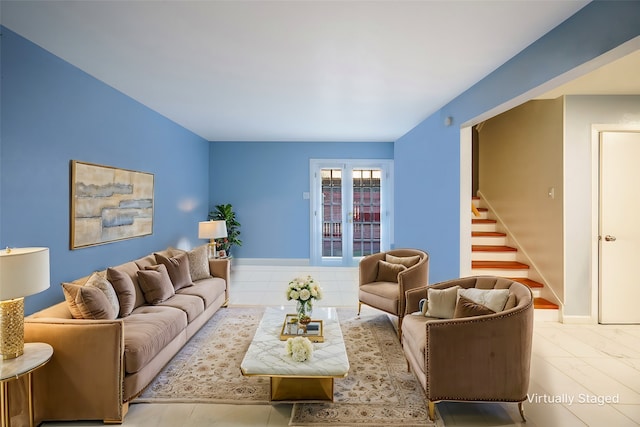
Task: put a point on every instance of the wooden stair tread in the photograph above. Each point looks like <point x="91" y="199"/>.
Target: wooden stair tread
<point x="506" y="265"/>
<point x="530" y="283"/>
<point x="541" y="303"/>
<point x="483" y="221"/>
<point x="492" y="248"/>
<point x="487" y="234"/>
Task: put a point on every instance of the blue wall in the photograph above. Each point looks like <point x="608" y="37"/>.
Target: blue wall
<point x="52" y="113"/>
<point x="264" y="182"/>
<point x="427" y="195"/>
<point x="427" y="158"/>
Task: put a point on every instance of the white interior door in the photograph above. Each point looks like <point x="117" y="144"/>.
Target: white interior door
<point x="619" y="232"/>
<point x="351" y="210"/>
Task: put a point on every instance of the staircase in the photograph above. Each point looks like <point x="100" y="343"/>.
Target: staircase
<point x="491" y="256"/>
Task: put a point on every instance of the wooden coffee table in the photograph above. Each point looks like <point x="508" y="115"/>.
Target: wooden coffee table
<point x="292" y="381"/>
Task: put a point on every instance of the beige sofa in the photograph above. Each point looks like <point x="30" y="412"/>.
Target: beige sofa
<point x="465" y="350"/>
<point x="98" y="366"/>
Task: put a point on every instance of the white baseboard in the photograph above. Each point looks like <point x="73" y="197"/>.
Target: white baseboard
<point x="546" y="315"/>
<point x="579" y="320"/>
<point x="294" y="262"/>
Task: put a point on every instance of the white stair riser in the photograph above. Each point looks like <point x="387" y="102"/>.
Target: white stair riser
<point x="546" y="315"/>
<point x="483" y="215"/>
<point x="489" y="241"/>
<point x="498" y="272"/>
<point x="483" y="227"/>
<point x="493" y="256"/>
<point x="476" y="202"/>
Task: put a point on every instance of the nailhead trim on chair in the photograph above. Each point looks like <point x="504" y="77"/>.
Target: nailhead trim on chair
<point x="435" y="324"/>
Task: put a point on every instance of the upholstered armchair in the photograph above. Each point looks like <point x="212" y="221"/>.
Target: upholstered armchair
<point x="386" y="276"/>
<point x="477" y="352"/>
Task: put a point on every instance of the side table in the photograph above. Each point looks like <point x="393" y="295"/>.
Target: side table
<point x="35" y="355"/>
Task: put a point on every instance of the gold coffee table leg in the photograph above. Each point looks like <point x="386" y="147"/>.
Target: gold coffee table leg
<point x="289" y="389"/>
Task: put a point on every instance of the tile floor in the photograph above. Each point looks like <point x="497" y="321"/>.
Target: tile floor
<point x="582" y="375"/>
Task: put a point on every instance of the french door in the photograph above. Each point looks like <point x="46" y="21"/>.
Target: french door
<point x="351" y="210"/>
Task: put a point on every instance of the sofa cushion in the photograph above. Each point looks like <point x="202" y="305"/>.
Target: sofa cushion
<point x="192" y="305"/>
<point x="512" y="301"/>
<point x="199" y="263"/>
<point x="99" y="280"/>
<point x="178" y="269"/>
<point x="493" y="299"/>
<point x="383" y="295"/>
<point x="125" y="290"/>
<point x="407" y="261"/>
<point x="208" y="289"/>
<point x="146" y="261"/>
<point x="441" y="303"/>
<point x="147" y="331"/>
<point x="88" y="302"/>
<point x="155" y="284"/>
<point x="131" y="268"/>
<point x="468" y="308"/>
<point x="388" y="272"/>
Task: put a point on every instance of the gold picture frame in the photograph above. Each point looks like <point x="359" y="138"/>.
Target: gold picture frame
<point x="109" y="204"/>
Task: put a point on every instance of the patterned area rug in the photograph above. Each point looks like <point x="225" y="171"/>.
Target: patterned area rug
<point x="207" y="369"/>
<point x="377" y="392"/>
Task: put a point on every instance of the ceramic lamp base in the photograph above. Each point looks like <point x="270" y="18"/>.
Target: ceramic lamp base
<point x="12" y="328"/>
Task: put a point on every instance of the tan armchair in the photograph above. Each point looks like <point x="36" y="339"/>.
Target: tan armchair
<point x="479" y="358"/>
<point x="383" y="286"/>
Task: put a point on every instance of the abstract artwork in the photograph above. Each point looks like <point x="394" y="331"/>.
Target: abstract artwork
<point x="109" y="204"/>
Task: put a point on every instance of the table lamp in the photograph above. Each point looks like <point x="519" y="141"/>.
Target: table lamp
<point x="23" y="272"/>
<point x="212" y="230"/>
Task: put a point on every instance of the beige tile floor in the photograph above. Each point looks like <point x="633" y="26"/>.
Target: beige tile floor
<point x="579" y="367"/>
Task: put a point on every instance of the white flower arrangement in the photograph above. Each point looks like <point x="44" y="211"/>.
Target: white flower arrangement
<point x="299" y="348"/>
<point x="304" y="290"/>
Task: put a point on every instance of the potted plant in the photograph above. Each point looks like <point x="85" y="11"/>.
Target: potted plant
<point x="225" y="212"/>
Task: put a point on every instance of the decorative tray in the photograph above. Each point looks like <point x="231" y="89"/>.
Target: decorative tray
<point x="291" y="329"/>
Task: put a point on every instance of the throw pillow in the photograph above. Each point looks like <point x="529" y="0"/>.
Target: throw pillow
<point x="125" y="290"/>
<point x="97" y="280"/>
<point x="467" y="308"/>
<point x="177" y="268"/>
<point x="407" y="261"/>
<point x="388" y="272"/>
<point x="441" y="303"/>
<point x="199" y="263"/>
<point x="155" y="284"/>
<point x="88" y="302"/>
<point x="493" y="299"/>
<point x="69" y="290"/>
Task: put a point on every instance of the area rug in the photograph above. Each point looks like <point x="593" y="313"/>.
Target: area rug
<point x="377" y="392"/>
<point x="207" y="369"/>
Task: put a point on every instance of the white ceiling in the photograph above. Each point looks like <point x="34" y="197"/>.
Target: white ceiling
<point x="288" y="70"/>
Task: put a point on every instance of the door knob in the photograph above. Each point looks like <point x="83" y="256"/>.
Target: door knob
<point x="609" y="238"/>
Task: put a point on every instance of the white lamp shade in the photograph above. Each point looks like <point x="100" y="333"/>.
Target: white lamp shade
<point x="23" y="272"/>
<point x="212" y="229"/>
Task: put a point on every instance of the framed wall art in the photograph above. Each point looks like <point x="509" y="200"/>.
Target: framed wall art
<point x="109" y="204"/>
